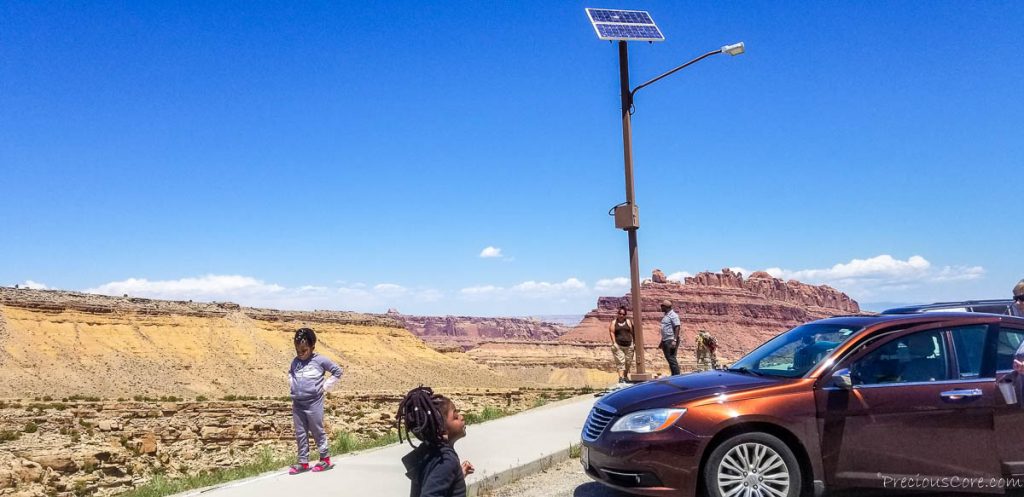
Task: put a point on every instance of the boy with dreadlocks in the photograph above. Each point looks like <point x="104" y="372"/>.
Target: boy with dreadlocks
<point x="308" y="385"/>
<point x="434" y="466"/>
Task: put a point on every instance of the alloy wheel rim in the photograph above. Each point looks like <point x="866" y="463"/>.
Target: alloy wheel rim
<point x="753" y="470"/>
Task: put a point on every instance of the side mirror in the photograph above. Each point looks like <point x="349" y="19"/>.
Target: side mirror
<point x="842" y="379"/>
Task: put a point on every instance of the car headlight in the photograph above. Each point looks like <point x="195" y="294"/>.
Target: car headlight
<point x="648" y="421"/>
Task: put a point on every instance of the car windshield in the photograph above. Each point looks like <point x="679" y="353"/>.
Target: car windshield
<point x="795" y="352"/>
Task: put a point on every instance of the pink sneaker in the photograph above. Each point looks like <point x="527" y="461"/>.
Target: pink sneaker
<point x="323" y="465"/>
<point x="298" y="468"/>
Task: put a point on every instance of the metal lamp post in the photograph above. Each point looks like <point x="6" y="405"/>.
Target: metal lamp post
<point x="624" y="26"/>
<point x="627" y="150"/>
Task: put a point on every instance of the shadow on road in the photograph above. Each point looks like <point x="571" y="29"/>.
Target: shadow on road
<point x="594" y="489"/>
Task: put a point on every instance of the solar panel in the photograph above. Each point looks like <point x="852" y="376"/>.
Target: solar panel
<point x="630" y="25"/>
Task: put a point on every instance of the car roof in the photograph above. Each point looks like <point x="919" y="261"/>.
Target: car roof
<point x="913" y="309"/>
<point x="916" y="318"/>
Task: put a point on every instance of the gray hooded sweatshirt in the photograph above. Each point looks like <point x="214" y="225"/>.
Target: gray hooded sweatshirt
<point x="307" y="377"/>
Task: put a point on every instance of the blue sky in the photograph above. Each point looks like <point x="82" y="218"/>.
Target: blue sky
<point x="347" y="155"/>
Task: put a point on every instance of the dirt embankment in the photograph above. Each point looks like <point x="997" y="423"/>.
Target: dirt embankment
<point x="62" y="344"/>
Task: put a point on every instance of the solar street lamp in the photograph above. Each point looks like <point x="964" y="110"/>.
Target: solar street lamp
<point x="623" y="26"/>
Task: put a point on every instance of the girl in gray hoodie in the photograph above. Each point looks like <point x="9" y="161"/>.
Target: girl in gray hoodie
<point x="308" y="386"/>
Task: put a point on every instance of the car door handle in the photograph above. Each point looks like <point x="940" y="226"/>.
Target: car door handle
<point x="961" y="394"/>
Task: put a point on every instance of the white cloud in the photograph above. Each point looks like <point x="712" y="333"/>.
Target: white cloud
<point x="34" y="285"/>
<point x="253" y="292"/>
<point x="883" y="267"/>
<point x="543" y="289"/>
<point x="612" y="285"/>
<point x="528" y="290"/>
<point x="882" y="276"/>
<point x="744" y="271"/>
<point x="390" y="289"/>
<point x="959" y="273"/>
<point x="209" y="286"/>
<point x="678" y="276"/>
<point x="490" y="252"/>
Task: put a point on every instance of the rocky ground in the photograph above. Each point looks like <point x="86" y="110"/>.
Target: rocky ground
<point x="564" y="480"/>
<point x="89" y="446"/>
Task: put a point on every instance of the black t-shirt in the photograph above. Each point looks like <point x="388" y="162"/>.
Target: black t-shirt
<point x="624" y="333"/>
<point x="434" y="472"/>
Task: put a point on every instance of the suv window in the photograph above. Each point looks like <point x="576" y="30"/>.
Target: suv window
<point x="969" y="342"/>
<point x="1006" y="346"/>
<point x="913" y="358"/>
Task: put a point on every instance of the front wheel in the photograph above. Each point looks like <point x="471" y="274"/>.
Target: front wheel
<point x="752" y="465"/>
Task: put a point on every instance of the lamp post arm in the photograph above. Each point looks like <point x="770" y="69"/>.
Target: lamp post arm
<point x="684" y="66"/>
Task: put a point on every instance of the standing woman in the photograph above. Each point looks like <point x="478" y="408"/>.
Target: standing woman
<point x="620" y="332"/>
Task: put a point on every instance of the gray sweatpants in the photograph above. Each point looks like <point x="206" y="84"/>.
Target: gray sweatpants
<point x="308" y="416"/>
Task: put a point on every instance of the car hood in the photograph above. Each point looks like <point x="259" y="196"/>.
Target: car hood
<point x="675" y="390"/>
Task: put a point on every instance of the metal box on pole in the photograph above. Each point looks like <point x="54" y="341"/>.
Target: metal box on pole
<point x="627" y="217"/>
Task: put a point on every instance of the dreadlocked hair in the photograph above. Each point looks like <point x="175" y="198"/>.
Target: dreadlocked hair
<point x="305" y="335"/>
<point x="423" y="412"/>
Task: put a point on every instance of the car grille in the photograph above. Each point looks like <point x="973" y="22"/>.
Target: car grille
<point x="597" y="421"/>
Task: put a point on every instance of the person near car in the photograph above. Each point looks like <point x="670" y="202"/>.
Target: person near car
<point x="670" y="326"/>
<point x="620" y="332"/>
<point x="1017" y="309"/>
<point x="706" y="346"/>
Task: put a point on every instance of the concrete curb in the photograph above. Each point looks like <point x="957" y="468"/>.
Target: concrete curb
<point x="486" y="484"/>
<point x="489" y="483"/>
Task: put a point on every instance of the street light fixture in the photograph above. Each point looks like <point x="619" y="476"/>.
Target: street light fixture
<point x="734" y="49"/>
<point x="623" y="26"/>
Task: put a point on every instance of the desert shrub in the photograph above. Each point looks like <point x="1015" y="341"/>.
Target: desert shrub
<point x="574" y="451"/>
<point x="344" y="442"/>
<point x="489" y="413"/>
<point x="161" y="486"/>
<point x="30" y="427"/>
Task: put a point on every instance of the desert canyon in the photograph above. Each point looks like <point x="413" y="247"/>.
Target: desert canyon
<point x="99" y="394"/>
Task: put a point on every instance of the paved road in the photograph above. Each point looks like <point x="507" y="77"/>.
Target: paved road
<point x="493" y="447"/>
<point x="569" y="480"/>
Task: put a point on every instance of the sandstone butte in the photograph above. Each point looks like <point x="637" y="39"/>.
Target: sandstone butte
<point x="740" y="313"/>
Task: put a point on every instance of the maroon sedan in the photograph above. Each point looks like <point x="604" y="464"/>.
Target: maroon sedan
<point x="903" y="402"/>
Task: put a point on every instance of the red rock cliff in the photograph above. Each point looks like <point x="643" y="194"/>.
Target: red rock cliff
<point x="741" y="313"/>
<point x="469" y="331"/>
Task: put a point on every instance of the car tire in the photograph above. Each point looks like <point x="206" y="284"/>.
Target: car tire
<point x="756" y="461"/>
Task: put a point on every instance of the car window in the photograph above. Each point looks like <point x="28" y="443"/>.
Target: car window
<point x="914" y="358"/>
<point x="969" y="342"/>
<point x="1006" y="346"/>
<point x="795" y="352"/>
